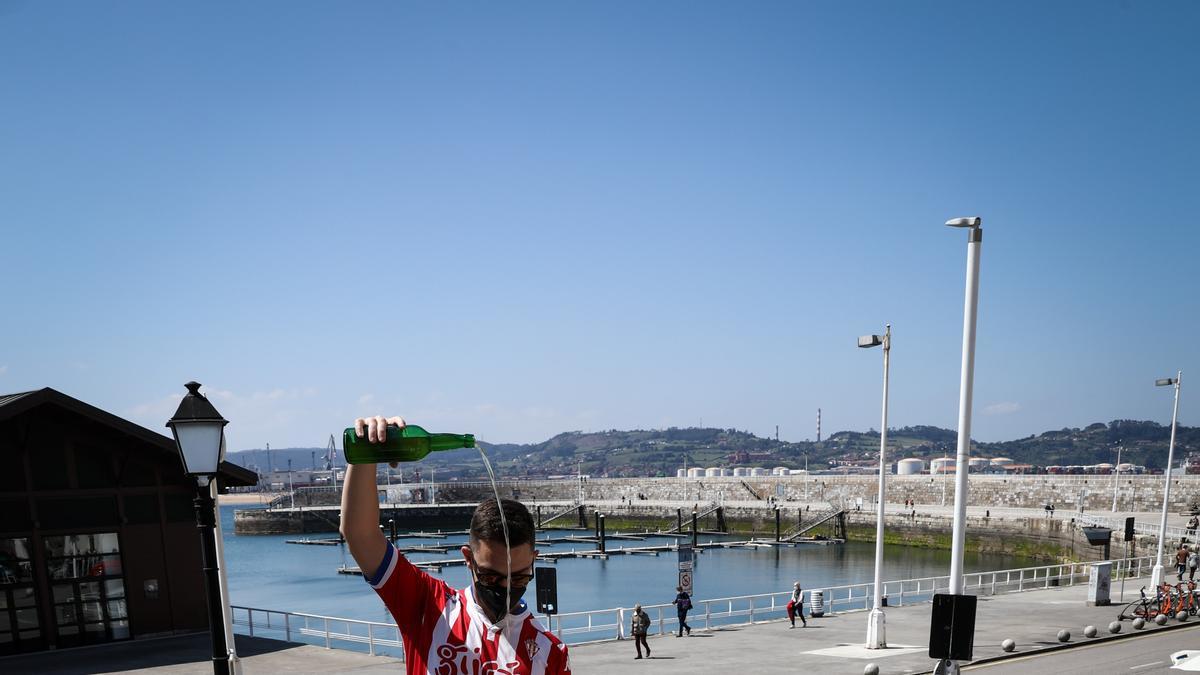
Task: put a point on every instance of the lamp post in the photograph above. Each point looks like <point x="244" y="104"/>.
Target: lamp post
<point x="1116" y="478"/>
<point x="199" y="432"/>
<point x="876" y="623"/>
<point x="1157" y="575"/>
<point x="966" y="386"/>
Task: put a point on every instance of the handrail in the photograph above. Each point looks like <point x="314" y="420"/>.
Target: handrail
<point x="611" y="623"/>
<point x="1173" y="531"/>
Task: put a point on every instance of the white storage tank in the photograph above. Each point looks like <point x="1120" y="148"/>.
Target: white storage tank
<point x="695" y="472"/>
<point x="759" y="471"/>
<point x="942" y="465"/>
<point x="741" y="471"/>
<point x="1001" y="461"/>
<point x="680" y="473"/>
<point x="909" y="466"/>
<point x="712" y="472"/>
<point x="779" y="471"/>
<point x="978" y="463"/>
<point x="726" y="472"/>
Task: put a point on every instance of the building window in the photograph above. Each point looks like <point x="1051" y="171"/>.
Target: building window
<point x="20" y="629"/>
<point x="87" y="587"/>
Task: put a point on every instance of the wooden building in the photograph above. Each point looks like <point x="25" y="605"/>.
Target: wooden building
<point x="98" y="537"/>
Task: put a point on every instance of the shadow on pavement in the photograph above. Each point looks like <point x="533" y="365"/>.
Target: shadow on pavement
<point x="134" y="655"/>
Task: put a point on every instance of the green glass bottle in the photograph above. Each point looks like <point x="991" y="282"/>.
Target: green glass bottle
<point x="409" y="444"/>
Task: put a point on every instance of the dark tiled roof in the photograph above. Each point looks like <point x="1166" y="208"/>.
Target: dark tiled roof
<point x="9" y="398"/>
<point x="12" y="405"/>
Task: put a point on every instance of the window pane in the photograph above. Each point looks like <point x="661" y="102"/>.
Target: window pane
<point x="64" y="614"/>
<point x="92" y="612"/>
<point x="24" y="597"/>
<point x="5" y="622"/>
<point x="71" y="629"/>
<point x="5" y="638"/>
<point x="90" y="591"/>
<point x="120" y="629"/>
<point x="30" y="634"/>
<point x="116" y="609"/>
<point x="27" y="618"/>
<point x="14" y="560"/>
<point x="114" y="588"/>
<point x="64" y="593"/>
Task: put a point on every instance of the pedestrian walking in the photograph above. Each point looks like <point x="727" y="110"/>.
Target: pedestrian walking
<point x="1181" y="558"/>
<point x="795" y="606"/>
<point x="1193" y="562"/>
<point x="682" y="602"/>
<point x="1192" y="525"/>
<point x="641" y="624"/>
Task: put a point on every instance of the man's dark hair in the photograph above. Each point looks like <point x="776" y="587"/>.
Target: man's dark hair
<point x="486" y="525"/>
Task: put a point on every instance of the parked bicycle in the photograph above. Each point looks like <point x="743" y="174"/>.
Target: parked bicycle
<point x="1144" y="607"/>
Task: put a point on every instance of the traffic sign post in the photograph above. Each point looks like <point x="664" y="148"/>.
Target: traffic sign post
<point x="687" y="568"/>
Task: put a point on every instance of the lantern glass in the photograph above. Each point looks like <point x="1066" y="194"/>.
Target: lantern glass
<point x="201" y="444"/>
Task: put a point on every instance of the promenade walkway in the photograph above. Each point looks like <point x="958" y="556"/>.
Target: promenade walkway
<point x="830" y="644"/>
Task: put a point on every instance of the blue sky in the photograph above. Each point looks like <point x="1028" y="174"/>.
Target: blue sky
<point x="516" y="220"/>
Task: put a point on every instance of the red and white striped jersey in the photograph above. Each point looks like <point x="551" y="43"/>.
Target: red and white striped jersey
<point x="446" y="632"/>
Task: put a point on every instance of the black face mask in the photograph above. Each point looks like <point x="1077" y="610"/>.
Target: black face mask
<point x="492" y="598"/>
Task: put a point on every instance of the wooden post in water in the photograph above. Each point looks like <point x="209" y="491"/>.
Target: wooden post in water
<point x="679" y="520"/>
<point x="582" y="517"/>
<point x="600" y="519"/>
<point x="776" y="523"/>
<point x="539" y="516"/>
<point x="693" y="530"/>
<point x="392" y="525"/>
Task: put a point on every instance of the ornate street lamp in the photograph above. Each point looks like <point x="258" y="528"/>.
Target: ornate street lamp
<point x="200" y="436"/>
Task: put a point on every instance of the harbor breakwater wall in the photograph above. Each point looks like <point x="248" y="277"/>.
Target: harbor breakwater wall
<point x="1134" y="493"/>
<point x="1042" y="538"/>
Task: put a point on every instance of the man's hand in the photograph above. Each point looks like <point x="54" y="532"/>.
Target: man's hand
<point x="375" y="428"/>
<point x="360" y="500"/>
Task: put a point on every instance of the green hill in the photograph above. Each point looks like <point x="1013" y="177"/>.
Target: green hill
<point x="660" y="452"/>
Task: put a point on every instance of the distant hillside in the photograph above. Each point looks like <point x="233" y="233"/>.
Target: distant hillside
<point x="660" y="452"/>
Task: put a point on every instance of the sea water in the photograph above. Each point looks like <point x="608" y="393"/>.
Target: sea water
<point x="264" y="572"/>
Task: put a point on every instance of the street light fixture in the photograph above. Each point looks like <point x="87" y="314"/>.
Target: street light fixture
<point x="966" y="390"/>
<point x="876" y="622"/>
<point x="199" y="432"/>
<point x="1157" y="575"/>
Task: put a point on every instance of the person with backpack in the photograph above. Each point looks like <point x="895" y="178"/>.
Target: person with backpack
<point x="682" y="602"/>
<point x="1192" y="563"/>
<point x="795" y="606"/>
<point x="639" y="627"/>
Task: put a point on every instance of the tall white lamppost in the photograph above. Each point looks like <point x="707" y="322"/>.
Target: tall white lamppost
<point x="1157" y="575"/>
<point x="876" y="624"/>
<point x="966" y="385"/>
<point x="1116" y="478"/>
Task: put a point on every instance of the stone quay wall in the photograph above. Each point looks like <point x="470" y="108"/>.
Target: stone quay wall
<point x="1139" y="493"/>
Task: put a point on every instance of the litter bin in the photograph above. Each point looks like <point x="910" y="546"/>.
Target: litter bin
<point x="1099" y="583"/>
<point x="817" y="599"/>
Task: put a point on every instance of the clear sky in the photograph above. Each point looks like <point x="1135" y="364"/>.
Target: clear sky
<point x="516" y="219"/>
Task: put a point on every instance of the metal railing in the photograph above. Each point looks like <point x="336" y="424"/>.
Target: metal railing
<point x="608" y="624"/>
<point x="328" y="631"/>
<point x="613" y="623"/>
<point x="1118" y="524"/>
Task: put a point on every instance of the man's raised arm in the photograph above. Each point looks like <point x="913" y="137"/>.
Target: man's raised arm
<point x="360" y="502"/>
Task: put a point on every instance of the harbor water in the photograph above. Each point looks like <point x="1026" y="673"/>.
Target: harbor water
<point x="264" y="572"/>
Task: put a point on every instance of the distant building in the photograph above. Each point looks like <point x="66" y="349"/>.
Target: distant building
<point x="98" y="537"/>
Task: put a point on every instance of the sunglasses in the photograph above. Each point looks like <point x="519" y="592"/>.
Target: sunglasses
<point x="494" y="578"/>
